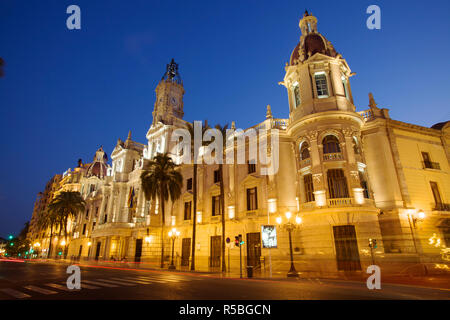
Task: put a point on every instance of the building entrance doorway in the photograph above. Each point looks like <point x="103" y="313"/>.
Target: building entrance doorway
<point x="214" y="259"/>
<point x="97" y="251"/>
<point x="138" y="252"/>
<point x="254" y="249"/>
<point x="185" y="251"/>
<point x="347" y="254"/>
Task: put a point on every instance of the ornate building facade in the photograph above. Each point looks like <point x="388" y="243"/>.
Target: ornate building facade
<point x="351" y="176"/>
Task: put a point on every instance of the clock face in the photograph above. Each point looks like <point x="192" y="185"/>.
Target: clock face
<point x="174" y="101"/>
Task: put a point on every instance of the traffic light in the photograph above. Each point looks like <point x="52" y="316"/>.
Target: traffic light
<point x="10" y="237"/>
<point x="374" y="241"/>
<point x="236" y="241"/>
<point x="240" y="240"/>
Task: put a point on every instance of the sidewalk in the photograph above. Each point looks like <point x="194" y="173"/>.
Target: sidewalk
<point x="435" y="281"/>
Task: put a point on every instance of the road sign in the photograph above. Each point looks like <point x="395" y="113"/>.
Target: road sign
<point x="228" y="240"/>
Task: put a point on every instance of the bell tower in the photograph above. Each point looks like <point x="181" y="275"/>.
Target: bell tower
<point x="169" y="96"/>
<point x="317" y="77"/>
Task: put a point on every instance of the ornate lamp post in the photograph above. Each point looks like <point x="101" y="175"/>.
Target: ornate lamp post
<point x="290" y="226"/>
<point x="173" y="234"/>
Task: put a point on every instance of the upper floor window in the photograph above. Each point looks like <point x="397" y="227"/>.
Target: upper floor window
<point x="87" y="214"/>
<point x="321" y="85"/>
<point x="427" y="163"/>
<point x="252" y="199"/>
<point x="331" y="144"/>
<point x="364" y="185"/>
<point x="304" y="151"/>
<point x="436" y="194"/>
<point x="187" y="210"/>
<point x="216" y="208"/>
<point x="189" y="184"/>
<point x="309" y="187"/>
<point x="337" y="184"/>
<point x="345" y="85"/>
<point x="296" y="94"/>
<point x="251" y="167"/>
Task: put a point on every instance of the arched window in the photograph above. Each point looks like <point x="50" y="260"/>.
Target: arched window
<point x="331" y="144"/>
<point x="304" y="151"/>
<point x="337" y="184"/>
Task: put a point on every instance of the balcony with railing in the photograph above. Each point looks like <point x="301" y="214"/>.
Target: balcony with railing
<point x="441" y="206"/>
<point x="340" y="202"/>
<point x="431" y="165"/>
<point x="305" y="162"/>
<point x="333" y="156"/>
<point x="367" y="115"/>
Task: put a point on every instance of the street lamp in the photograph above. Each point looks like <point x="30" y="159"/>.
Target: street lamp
<point x="173" y="234"/>
<point x="290" y="226"/>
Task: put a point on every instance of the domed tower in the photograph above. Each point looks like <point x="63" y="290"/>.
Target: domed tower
<point x="99" y="165"/>
<point x="316" y="76"/>
<point x="332" y="183"/>
<point x="169" y="97"/>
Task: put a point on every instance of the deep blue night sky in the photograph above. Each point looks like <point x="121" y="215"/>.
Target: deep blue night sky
<point x="66" y="92"/>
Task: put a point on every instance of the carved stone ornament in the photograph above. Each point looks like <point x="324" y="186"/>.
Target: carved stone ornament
<point x="317" y="177"/>
<point x="355" y="175"/>
<point x="312" y="135"/>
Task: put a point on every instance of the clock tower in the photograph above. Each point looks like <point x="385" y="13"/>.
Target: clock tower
<point x="169" y="97"/>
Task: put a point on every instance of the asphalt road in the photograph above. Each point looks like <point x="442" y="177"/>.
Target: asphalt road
<point x="31" y="281"/>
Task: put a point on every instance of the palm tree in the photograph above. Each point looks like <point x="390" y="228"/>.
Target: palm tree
<point x="223" y="131"/>
<point x="66" y="205"/>
<point x="194" y="187"/>
<point x="47" y="220"/>
<point x="162" y="181"/>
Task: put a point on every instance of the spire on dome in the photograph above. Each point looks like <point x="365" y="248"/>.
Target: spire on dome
<point x="269" y="112"/>
<point x="129" y="135"/>
<point x="311" y="41"/>
<point x="372" y="103"/>
<point x="171" y="73"/>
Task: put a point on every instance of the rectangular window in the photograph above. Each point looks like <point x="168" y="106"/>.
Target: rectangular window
<point x="337" y="184"/>
<point x="436" y="194"/>
<point x="216" y="176"/>
<point x="252" y="199"/>
<point x="345" y="85"/>
<point x="251" y="167"/>
<point x="187" y="210"/>
<point x="84" y="229"/>
<point x="216" y="206"/>
<point x="96" y="212"/>
<point x="321" y="85"/>
<point x="189" y="184"/>
<point x="93" y="225"/>
<point x="105" y="219"/>
<point x="309" y="187"/>
<point x="87" y="214"/>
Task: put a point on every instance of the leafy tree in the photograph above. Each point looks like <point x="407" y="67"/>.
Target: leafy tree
<point x="163" y="182"/>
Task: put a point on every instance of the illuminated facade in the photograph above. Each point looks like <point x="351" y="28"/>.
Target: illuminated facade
<point x="349" y="175"/>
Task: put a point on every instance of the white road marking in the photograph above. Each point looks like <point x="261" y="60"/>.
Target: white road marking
<point x="157" y="279"/>
<point x="123" y="283"/>
<point x="15" y="293"/>
<point x="101" y="284"/>
<point x="40" y="290"/>
<point x="60" y="287"/>
<point x="142" y="281"/>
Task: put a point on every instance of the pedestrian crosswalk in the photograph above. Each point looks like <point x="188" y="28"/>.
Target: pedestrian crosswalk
<point x="53" y="288"/>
